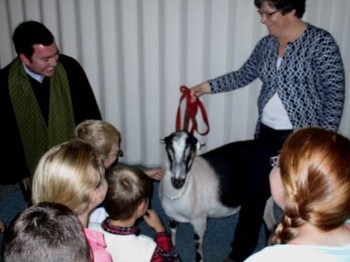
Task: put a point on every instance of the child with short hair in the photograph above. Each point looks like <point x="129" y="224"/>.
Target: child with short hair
<point x="46" y="232"/>
<point x="72" y="173"/>
<point x="127" y="199"/>
<point x="106" y="139"/>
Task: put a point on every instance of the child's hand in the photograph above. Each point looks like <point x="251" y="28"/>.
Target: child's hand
<point x="153" y="220"/>
<point x="155" y="173"/>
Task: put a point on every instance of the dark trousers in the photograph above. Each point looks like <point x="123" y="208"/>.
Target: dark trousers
<point x="12" y="202"/>
<point x="252" y="161"/>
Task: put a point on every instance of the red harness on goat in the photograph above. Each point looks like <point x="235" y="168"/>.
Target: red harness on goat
<point x="190" y="113"/>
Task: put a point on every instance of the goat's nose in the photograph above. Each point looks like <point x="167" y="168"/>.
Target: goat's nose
<point x="178" y="183"/>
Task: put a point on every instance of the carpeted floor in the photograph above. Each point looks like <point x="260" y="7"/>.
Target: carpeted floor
<point x="217" y="240"/>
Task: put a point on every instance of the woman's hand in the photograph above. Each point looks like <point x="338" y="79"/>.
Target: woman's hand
<point x="199" y="90"/>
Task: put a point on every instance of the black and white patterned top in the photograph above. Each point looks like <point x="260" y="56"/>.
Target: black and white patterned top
<point x="310" y="80"/>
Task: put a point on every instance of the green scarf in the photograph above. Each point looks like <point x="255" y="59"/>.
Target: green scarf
<point x="36" y="136"/>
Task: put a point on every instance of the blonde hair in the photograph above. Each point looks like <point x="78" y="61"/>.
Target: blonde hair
<point x="68" y="174"/>
<point x="315" y="171"/>
<point x="100" y="134"/>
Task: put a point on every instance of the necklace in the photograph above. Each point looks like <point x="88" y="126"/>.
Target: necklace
<point x="174" y="197"/>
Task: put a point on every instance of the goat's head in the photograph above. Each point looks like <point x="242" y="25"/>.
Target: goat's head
<point x="181" y="148"/>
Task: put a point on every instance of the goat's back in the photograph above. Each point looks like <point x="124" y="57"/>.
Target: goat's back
<point x="223" y="160"/>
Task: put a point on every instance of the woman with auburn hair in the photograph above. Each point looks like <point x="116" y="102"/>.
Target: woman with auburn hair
<point x="311" y="183"/>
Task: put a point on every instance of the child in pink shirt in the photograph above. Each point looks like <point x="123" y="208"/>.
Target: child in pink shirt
<point x="72" y="173"/>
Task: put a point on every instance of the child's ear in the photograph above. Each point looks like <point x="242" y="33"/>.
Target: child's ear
<point x="142" y="208"/>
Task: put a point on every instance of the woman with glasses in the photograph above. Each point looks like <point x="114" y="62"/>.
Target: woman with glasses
<point x="303" y="85"/>
<point x="311" y="183"/>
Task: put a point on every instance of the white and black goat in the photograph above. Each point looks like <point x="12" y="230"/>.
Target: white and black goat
<point x="193" y="188"/>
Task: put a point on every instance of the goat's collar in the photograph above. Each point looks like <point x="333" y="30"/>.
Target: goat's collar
<point x="172" y="198"/>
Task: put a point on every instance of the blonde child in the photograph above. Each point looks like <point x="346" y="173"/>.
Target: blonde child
<point x="72" y="174"/>
<point x="106" y="139"/>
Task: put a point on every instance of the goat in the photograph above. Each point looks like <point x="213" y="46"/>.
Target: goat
<point x="191" y="190"/>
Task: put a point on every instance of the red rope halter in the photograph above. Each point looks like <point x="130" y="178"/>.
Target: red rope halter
<point x="190" y="113"/>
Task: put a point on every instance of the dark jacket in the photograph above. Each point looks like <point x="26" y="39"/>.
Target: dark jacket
<point x="84" y="107"/>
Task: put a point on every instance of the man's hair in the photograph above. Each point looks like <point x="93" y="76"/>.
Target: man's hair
<point x="46" y="232"/>
<point x="127" y="188"/>
<point x="285" y="6"/>
<point x="28" y="34"/>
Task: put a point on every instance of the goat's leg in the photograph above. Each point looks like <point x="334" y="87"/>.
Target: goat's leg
<point x="200" y="226"/>
<point x="173" y="229"/>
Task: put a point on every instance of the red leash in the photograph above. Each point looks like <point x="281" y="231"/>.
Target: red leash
<point x="190" y="113"/>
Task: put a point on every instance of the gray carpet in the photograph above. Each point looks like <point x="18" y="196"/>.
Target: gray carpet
<point x="217" y="240"/>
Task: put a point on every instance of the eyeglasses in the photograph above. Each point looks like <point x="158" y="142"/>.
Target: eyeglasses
<point x="275" y="161"/>
<point x="266" y="14"/>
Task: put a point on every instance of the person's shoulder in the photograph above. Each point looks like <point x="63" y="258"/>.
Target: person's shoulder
<point x="65" y="59"/>
<point x="276" y="252"/>
<point x="293" y="252"/>
<point x="4" y="75"/>
<point x="283" y="251"/>
<point x="145" y="238"/>
<point x="6" y="68"/>
<point x="267" y="38"/>
<point x="98" y="215"/>
<point x="267" y="41"/>
<point x="318" y="33"/>
<point x="71" y="65"/>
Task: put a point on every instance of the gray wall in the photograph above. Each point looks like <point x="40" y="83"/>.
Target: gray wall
<point x="137" y="53"/>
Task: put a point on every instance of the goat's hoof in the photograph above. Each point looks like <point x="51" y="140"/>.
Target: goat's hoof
<point x="198" y="257"/>
<point x="173" y="224"/>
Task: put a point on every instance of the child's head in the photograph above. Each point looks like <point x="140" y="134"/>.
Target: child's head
<point x="46" y="232"/>
<point x="129" y="189"/>
<point x="314" y="172"/>
<point x="72" y="174"/>
<point x="103" y="136"/>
